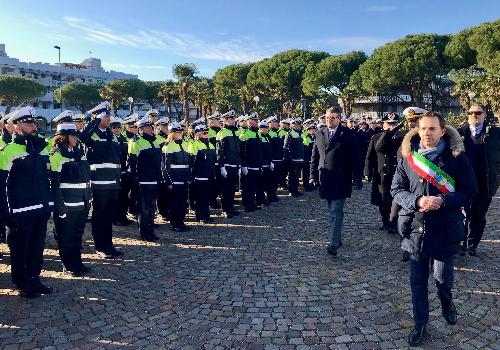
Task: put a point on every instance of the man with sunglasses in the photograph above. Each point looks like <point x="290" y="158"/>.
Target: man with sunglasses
<point x="482" y="147"/>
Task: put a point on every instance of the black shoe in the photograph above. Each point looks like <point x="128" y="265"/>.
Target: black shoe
<point x="180" y="228"/>
<point x="462" y="253"/>
<point x="149" y="238"/>
<point x="392" y="230"/>
<point x="405" y="256"/>
<point x="235" y="213"/>
<point x="43" y="289"/>
<point x="249" y="210"/>
<point x="227" y="215"/>
<point x="331" y="250"/>
<point x="274" y="199"/>
<point x="215" y="206"/>
<point x="383" y="227"/>
<point x="84" y="269"/>
<point x="416" y="336"/>
<point x="115" y="252"/>
<point x="472" y="251"/>
<point x="29" y="292"/>
<point x="73" y="273"/>
<point x="450" y="315"/>
<point x="104" y="254"/>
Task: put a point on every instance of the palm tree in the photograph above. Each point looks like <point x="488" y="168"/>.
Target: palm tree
<point x="204" y="95"/>
<point x="115" y="91"/>
<point x="185" y="74"/>
<point x="168" y="92"/>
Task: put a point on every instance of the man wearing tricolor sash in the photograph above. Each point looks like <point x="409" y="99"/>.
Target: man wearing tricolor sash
<point x="433" y="184"/>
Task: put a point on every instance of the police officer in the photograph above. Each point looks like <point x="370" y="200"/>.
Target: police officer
<point x="26" y="202"/>
<point x="161" y="130"/>
<point x="387" y="149"/>
<point x="7" y="132"/>
<point x="250" y="162"/>
<point x="177" y="175"/>
<point x="130" y="189"/>
<point x="308" y="141"/>
<point x="152" y="115"/>
<point x="104" y="159"/>
<point x="163" y="198"/>
<point x="264" y="183"/>
<point x="70" y="178"/>
<point x="121" y="142"/>
<point x="144" y="162"/>
<point x="285" y="167"/>
<point x="228" y="157"/>
<point x="204" y="157"/>
<point x="294" y="154"/>
<point x="277" y="157"/>
<point x="214" y="126"/>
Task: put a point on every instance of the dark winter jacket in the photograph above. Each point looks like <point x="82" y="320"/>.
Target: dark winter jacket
<point x="70" y="179"/>
<point x="440" y="230"/>
<point x="488" y="142"/>
<point x="103" y="155"/>
<point x="24" y="178"/>
<point x="335" y="163"/>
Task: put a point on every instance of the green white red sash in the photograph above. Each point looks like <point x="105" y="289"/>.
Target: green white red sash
<point x="431" y="172"/>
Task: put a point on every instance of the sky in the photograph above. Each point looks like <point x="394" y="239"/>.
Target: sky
<point x="148" y="37"/>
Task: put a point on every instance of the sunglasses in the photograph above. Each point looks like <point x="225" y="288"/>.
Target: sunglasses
<point x="475" y="113"/>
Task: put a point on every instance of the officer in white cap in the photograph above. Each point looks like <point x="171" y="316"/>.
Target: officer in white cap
<point x="204" y="158"/>
<point x="152" y="115"/>
<point x="294" y="154"/>
<point x="23" y="167"/>
<point x="70" y="178"/>
<point x="228" y="157"/>
<point x="79" y="121"/>
<point x="412" y="115"/>
<point x="250" y="163"/>
<point x="308" y="142"/>
<point x="277" y="156"/>
<point x="120" y="213"/>
<point x="7" y="130"/>
<point x="104" y="158"/>
<point x="161" y="129"/>
<point x="144" y="162"/>
<point x="177" y="175"/>
<point x="264" y="180"/>
<point x="285" y="167"/>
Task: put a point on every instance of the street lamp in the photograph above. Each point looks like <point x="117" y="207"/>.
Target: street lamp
<point x="256" y="99"/>
<point x="58" y="48"/>
<point x="130" y="104"/>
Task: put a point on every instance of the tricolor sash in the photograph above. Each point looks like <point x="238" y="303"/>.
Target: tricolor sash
<point x="431" y="172"/>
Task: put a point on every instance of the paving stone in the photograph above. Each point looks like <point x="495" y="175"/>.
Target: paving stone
<point x="261" y="280"/>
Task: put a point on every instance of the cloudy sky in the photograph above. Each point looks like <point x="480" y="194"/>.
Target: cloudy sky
<point x="148" y="37"/>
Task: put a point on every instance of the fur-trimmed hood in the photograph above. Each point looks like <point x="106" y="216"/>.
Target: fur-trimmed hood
<point x="453" y="138"/>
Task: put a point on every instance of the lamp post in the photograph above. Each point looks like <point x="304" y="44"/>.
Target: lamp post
<point x="256" y="99"/>
<point x="130" y="104"/>
<point x="58" y="48"/>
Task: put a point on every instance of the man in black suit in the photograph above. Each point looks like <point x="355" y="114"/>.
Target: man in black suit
<point x="334" y="165"/>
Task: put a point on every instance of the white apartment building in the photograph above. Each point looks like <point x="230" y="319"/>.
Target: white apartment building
<point x="89" y="71"/>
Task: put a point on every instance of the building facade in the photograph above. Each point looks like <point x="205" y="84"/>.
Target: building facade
<point x="52" y="76"/>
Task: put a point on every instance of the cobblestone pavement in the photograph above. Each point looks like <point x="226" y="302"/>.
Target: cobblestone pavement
<point x="259" y="281"/>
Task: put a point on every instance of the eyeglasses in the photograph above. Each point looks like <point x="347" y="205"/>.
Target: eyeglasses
<point x="475" y="112"/>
